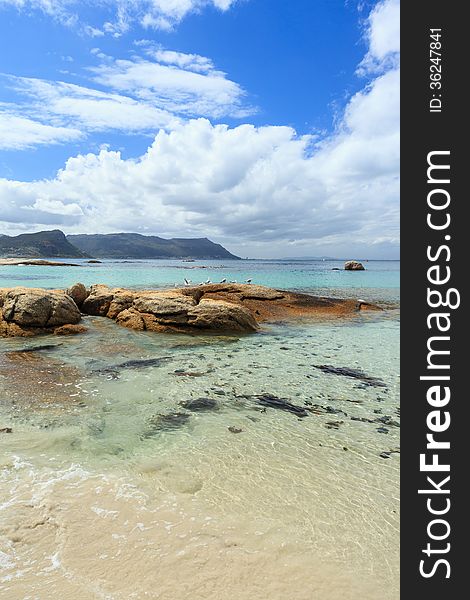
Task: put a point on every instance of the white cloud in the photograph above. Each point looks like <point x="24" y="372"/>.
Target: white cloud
<point x="145" y="95"/>
<point x="18" y="132"/>
<point x="383" y="35"/>
<point x="180" y="83"/>
<point x="256" y="188"/>
<point x="155" y="14"/>
<point x="89" y="109"/>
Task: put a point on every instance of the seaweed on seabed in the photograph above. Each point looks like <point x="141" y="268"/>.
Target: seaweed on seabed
<point x="167" y="422"/>
<point x="270" y="401"/>
<point x="200" y="404"/>
<point x="112" y="371"/>
<point x="353" y="373"/>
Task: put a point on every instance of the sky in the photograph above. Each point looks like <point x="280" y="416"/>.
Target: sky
<point x="271" y="127"/>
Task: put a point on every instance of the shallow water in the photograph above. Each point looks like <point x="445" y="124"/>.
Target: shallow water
<point x="106" y="497"/>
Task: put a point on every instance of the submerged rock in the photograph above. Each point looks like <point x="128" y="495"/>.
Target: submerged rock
<point x="70" y="329"/>
<point x="200" y="404"/>
<point x="144" y="363"/>
<point x="168" y="422"/>
<point x="270" y="401"/>
<point x="37" y="348"/>
<point x="113" y="370"/>
<point x="353" y="373"/>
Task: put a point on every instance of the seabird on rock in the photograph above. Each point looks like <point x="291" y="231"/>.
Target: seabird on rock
<point x="248" y="280"/>
<point x="187" y="281"/>
<point x="224" y="280"/>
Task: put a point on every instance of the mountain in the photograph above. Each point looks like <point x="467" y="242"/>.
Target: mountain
<point x="44" y="244"/>
<point x="134" y="245"/>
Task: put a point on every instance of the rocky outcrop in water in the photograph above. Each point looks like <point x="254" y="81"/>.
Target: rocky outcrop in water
<point x="234" y="308"/>
<point x="173" y="310"/>
<point x="353" y="265"/>
<point x="212" y="307"/>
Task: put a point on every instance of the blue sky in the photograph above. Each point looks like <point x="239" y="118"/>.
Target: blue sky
<point x="247" y="121"/>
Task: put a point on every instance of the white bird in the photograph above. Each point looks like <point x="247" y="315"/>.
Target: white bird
<point x="224" y="280"/>
<point x="187" y="281"/>
<point x="234" y="281"/>
<point x="248" y="280"/>
<point x="208" y="280"/>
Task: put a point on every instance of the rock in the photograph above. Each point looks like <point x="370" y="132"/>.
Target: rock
<point x="120" y="303"/>
<point x="221" y="316"/>
<point x="267" y="400"/>
<point x="168" y="422"/>
<point x="387" y="420"/>
<point x="353" y="373"/>
<point x="70" y="330"/>
<point x="363" y="419"/>
<point x="170" y="306"/>
<point x="78" y="293"/>
<point x="94" y="262"/>
<point x="144" y="363"/>
<point x="233" y="429"/>
<point x="382" y="429"/>
<point x="38" y="348"/>
<point x="28" y="311"/>
<point x="98" y="300"/>
<point x="333" y="424"/>
<point x="220" y="308"/>
<point x="6" y="430"/>
<point x="131" y="319"/>
<point x="200" y="404"/>
<point x="353" y="265"/>
<point x="113" y="370"/>
<point x="181" y="373"/>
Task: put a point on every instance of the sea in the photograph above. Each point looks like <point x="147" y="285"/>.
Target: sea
<point x="118" y="482"/>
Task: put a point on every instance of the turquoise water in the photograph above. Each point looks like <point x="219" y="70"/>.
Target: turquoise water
<point x="380" y="279"/>
<point x="240" y="500"/>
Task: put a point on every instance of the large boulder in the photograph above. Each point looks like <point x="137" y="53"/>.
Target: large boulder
<point x="26" y="312"/>
<point x="222" y="316"/>
<point x="353" y="265"/>
<point x="39" y="308"/>
<point x="176" y="311"/>
<point x="171" y="306"/>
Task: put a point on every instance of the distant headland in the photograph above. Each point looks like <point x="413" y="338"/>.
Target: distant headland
<point x="55" y="244"/>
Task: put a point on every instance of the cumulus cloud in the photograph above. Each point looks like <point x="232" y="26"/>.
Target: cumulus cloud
<point x="383" y="36"/>
<point x="248" y="186"/>
<point x="154" y="14"/>
<point x="262" y="191"/>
